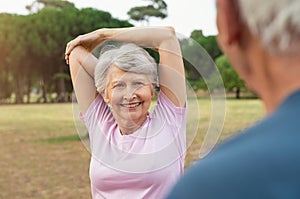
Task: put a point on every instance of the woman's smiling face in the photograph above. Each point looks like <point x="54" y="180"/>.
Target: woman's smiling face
<point x="129" y="95"/>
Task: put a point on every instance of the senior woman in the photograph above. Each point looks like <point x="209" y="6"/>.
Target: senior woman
<point x="135" y="153"/>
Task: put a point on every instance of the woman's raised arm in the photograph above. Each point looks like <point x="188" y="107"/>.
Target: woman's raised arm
<point x="162" y="39"/>
<point x="82" y="64"/>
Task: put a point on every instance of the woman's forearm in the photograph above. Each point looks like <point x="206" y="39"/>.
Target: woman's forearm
<point x="151" y="37"/>
<point x="85" y="59"/>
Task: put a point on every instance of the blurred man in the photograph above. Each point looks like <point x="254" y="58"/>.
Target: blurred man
<point x="262" y="41"/>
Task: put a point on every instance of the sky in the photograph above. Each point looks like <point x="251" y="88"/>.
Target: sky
<point x="185" y="16"/>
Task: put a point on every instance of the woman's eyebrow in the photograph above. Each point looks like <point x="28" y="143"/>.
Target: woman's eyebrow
<point x="116" y="81"/>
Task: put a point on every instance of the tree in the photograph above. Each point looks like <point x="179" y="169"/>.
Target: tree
<point x="200" y="51"/>
<point x="231" y="79"/>
<point x="33" y="47"/>
<point x="56" y="24"/>
<point x="209" y="43"/>
<point x="57" y="4"/>
<point x="5" y="84"/>
<point x="157" y="8"/>
<point x="14" y="56"/>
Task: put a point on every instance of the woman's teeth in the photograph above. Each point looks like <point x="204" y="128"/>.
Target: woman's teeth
<point x="131" y="105"/>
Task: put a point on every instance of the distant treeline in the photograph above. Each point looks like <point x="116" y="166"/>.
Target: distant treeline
<point x="32" y="52"/>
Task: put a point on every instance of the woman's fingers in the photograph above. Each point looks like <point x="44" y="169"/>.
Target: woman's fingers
<point x="67" y="53"/>
<point x="69" y="47"/>
<point x="67" y="59"/>
<point x="87" y="41"/>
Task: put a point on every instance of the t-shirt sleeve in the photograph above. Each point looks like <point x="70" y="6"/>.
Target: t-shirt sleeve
<point x="168" y="111"/>
<point x="175" y="118"/>
<point x="97" y="115"/>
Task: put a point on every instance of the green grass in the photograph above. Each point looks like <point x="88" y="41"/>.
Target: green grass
<point x="41" y="152"/>
<point x="239" y="114"/>
<point x="54" y="123"/>
<point x="62" y="139"/>
<point x="37" y="119"/>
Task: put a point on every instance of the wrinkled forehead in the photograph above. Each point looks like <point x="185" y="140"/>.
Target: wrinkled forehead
<point x="117" y="74"/>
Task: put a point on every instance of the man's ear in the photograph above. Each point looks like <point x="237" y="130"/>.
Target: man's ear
<point x="228" y="22"/>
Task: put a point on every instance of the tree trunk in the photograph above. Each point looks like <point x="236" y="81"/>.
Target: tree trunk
<point x="237" y="93"/>
<point x="61" y="91"/>
<point x="43" y="92"/>
<point x="28" y="89"/>
<point x="19" y="91"/>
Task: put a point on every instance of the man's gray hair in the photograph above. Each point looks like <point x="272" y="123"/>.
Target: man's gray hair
<point x="275" y="22"/>
<point x="128" y="57"/>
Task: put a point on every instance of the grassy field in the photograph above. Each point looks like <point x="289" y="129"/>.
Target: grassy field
<point x="42" y="157"/>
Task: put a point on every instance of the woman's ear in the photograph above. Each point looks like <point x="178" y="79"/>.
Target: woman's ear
<point x="152" y="91"/>
<point x="105" y="96"/>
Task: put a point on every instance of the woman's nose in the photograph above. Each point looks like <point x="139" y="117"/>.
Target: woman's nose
<point x="130" y="93"/>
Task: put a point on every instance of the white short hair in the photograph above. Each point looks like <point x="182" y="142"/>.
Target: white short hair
<point x="127" y="57"/>
<point x="275" y="22"/>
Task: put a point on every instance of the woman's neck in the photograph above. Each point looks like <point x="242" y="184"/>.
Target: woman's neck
<point x="128" y="127"/>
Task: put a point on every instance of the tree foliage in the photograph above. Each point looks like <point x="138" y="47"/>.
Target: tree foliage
<point x="57" y="4"/>
<point x="32" y="53"/>
<point x="201" y="52"/>
<point x="231" y="79"/>
<point x="33" y="45"/>
<point x="204" y="55"/>
<point x="209" y="43"/>
<point x="157" y="8"/>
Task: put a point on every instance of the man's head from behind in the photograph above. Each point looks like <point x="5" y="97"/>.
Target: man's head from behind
<point x="256" y="35"/>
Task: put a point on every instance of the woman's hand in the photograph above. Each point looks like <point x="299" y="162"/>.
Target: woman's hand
<point x="89" y="41"/>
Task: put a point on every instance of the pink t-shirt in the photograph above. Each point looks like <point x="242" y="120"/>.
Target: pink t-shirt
<point x="145" y="164"/>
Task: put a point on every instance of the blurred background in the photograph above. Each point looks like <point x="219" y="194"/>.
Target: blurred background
<point x="41" y="153"/>
<point x="33" y="35"/>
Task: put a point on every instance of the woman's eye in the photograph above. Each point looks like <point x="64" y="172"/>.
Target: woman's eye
<point x="138" y="84"/>
<point x="119" y="85"/>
